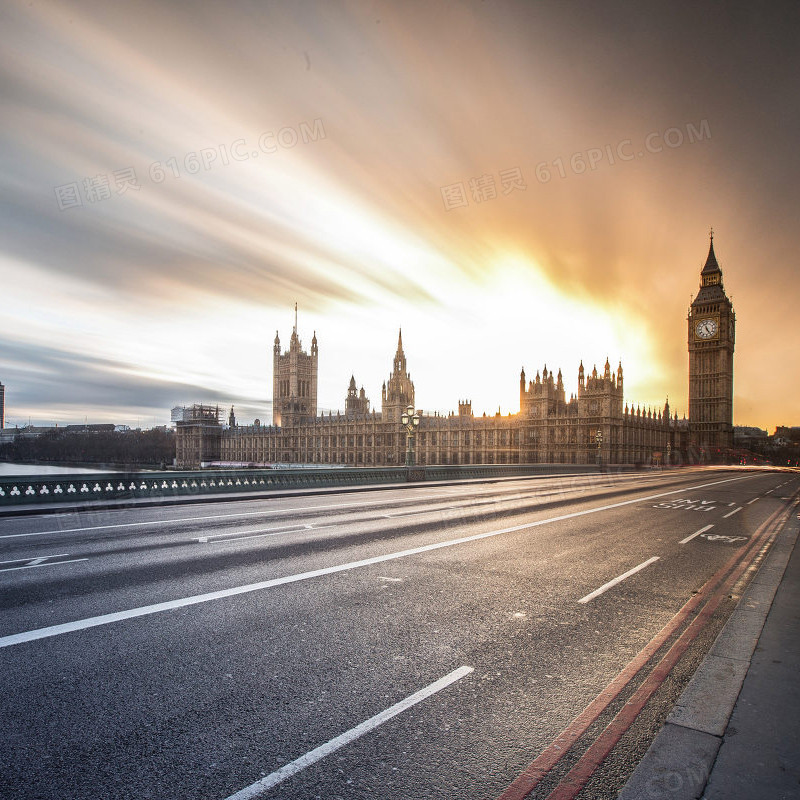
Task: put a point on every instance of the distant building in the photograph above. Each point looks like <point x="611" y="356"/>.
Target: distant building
<point x="549" y="428"/>
<point x="2" y="406"/>
<point x="176" y="415"/>
<point x="35" y="431"/>
<point x="594" y="426"/>
<point x="294" y="380"/>
<point x="741" y="431"/>
<point x="748" y="437"/>
<point x="32" y="431"/>
<point x="712" y="335"/>
<point x="356" y="403"/>
<point x="198" y="436"/>
<point x="101" y="427"/>
<point x="790" y="433"/>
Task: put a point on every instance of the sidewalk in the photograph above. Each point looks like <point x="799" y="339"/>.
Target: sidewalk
<point x="735" y="732"/>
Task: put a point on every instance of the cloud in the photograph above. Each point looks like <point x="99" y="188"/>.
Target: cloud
<point x="411" y="98"/>
<point x="40" y="377"/>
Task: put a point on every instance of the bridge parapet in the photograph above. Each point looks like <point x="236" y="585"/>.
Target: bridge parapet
<point x="79" y="488"/>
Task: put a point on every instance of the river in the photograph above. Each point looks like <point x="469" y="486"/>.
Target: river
<point x="41" y="469"/>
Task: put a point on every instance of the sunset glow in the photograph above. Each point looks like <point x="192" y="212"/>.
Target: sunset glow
<point x="173" y="183"/>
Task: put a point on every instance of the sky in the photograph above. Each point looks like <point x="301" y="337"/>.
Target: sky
<point x="512" y="183"/>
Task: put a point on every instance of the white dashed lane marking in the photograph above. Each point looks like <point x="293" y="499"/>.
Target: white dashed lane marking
<point x="293" y="767"/>
<point x="696" y="533"/>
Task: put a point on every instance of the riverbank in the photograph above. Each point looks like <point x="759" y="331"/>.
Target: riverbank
<point x="62" y="468"/>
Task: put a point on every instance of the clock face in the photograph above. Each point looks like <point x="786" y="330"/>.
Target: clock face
<point x="706" y="328"/>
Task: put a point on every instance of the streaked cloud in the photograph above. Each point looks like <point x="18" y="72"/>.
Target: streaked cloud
<point x="184" y="280"/>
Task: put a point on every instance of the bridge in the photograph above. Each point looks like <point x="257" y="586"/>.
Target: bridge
<point x="469" y="634"/>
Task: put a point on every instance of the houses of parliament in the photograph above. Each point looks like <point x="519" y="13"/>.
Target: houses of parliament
<point x="595" y="425"/>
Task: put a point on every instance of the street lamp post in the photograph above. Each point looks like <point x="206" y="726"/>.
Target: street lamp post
<point x="669" y="452"/>
<point x="410" y="420"/>
<point x="598" y="437"/>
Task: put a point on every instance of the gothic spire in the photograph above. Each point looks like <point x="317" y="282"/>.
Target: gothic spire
<point x="711" y="264"/>
<point x="294" y="340"/>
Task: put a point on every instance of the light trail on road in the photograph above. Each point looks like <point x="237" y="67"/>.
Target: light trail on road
<point x="183" y="602"/>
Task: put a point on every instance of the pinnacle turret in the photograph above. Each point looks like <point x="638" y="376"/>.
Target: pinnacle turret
<point x="711" y="288"/>
<point x="399" y="389"/>
<point x="711" y="264"/>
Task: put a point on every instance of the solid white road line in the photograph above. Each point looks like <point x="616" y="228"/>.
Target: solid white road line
<point x="43" y="564"/>
<point x="299" y="526"/>
<point x="606" y="586"/>
<point x="696" y="533"/>
<point x="34" y="558"/>
<point x="222" y="516"/>
<point x="442" y="508"/>
<point x="318" y="753"/>
<point x="244" y="536"/>
<point x="284" y="510"/>
<point x="288" y="510"/>
<point x="282" y="528"/>
<point x="731" y="513"/>
<point x="118" y="616"/>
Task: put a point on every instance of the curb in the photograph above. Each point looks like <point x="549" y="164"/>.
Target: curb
<point x="679" y="762"/>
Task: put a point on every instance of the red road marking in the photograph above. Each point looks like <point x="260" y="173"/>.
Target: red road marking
<point x="579" y="775"/>
<point x="555" y="751"/>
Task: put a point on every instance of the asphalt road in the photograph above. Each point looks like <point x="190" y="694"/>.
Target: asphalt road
<point x="425" y="642"/>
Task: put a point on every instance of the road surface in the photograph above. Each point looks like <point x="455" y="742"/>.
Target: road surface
<point x="423" y="642"/>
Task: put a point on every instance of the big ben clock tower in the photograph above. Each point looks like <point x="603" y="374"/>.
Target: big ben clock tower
<point x="712" y="325"/>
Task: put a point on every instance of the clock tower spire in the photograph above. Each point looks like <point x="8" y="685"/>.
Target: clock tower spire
<point x="711" y="338"/>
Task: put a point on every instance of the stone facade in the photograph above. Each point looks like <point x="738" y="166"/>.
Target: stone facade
<point x="356" y="403"/>
<point x="197" y="436"/>
<point x="294" y="380"/>
<point x="398" y="394"/>
<point x="594" y="426"/>
<point x="711" y="338"/>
